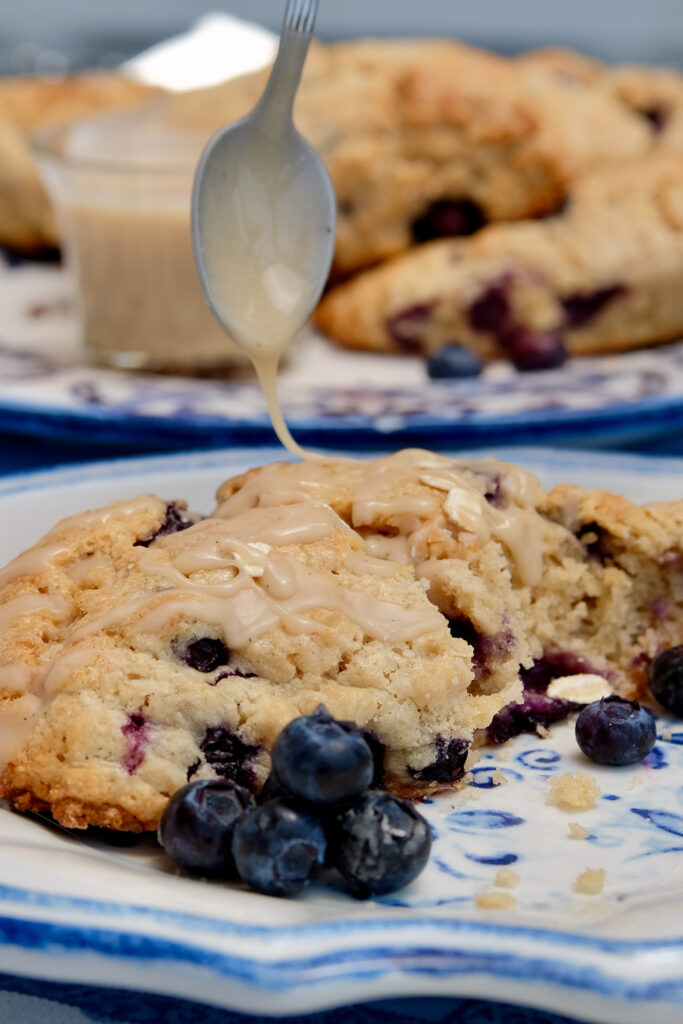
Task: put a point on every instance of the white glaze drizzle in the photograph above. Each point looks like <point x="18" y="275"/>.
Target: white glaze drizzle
<point x="391" y="491"/>
<point x="29" y="604"/>
<point x="217" y="573"/>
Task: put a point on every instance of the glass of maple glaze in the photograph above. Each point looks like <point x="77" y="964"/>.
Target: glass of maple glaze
<point x="121" y="185"/>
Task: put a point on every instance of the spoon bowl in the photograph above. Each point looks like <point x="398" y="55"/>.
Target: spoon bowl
<point x="264" y="210"/>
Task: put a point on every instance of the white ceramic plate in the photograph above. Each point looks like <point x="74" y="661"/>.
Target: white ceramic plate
<point x="331" y="396"/>
<point x="86" y="912"/>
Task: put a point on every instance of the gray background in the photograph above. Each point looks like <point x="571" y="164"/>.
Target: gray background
<point x="41" y="34"/>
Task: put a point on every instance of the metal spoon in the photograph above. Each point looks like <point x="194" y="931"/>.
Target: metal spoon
<point x="264" y="212"/>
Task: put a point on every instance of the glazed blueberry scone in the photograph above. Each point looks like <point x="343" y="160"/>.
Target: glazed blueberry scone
<point x="431" y="138"/>
<point x="569" y="583"/>
<point x="140" y="650"/>
<point x="603" y="276"/>
<point x="467" y="528"/>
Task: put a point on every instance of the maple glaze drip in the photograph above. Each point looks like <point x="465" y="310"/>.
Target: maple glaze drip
<point x="218" y="573"/>
<point x="400" y="492"/>
<point x="28" y="604"/>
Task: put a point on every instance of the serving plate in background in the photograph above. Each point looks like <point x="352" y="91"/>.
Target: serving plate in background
<point x="331" y="397"/>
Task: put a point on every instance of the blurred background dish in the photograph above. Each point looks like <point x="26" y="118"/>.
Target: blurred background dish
<point x="121" y="185"/>
<point x="561" y="171"/>
<point x="44" y="37"/>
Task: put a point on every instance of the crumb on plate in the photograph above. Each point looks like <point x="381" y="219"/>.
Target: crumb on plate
<point x="506" y="879"/>
<point x="590" y="882"/>
<point x="575" y="791"/>
<point x="488" y="900"/>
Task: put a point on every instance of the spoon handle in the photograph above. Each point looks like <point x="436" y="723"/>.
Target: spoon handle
<point x="277" y="102"/>
<point x="300" y="15"/>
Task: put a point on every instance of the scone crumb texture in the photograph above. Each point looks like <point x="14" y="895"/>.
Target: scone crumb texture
<point x="488" y="900"/>
<point x="578" y="831"/>
<point x="574" y="792"/>
<point x="506" y="878"/>
<point x="590" y="882"/>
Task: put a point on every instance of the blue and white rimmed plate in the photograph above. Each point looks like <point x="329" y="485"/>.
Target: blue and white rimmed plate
<point x="86" y="912"/>
<point x="330" y="396"/>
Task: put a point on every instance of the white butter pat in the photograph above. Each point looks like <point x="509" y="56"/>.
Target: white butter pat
<point x="583" y="688"/>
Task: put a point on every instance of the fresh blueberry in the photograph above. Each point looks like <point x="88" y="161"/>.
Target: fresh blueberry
<point x="666" y="679"/>
<point x="322" y="761"/>
<point x="278" y="848"/>
<point x="453" y="361"/>
<point x="534" y="350"/>
<point x="197" y="825"/>
<point x="205" y="655"/>
<point x="615" y="731"/>
<point x="273" y="790"/>
<point x="379" y="844"/>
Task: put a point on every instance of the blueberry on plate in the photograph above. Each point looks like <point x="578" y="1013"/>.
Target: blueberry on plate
<point x="453" y="361"/>
<point x="197" y="825"/>
<point x="379" y="844"/>
<point x="322" y="761"/>
<point x="666" y="680"/>
<point x="615" y="731"/>
<point x="278" y="848"/>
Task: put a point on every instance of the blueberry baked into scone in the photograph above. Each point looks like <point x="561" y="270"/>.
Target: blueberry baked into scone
<point x="142" y="647"/>
<point x="602" y="276"/>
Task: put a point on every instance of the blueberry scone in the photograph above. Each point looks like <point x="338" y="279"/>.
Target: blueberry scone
<point x="568" y="586"/>
<point x="654" y="94"/>
<point x="140" y="650"/>
<point x="602" y="276"/>
<point x="434" y="602"/>
<point x="27" y="104"/>
<point x="428" y="138"/>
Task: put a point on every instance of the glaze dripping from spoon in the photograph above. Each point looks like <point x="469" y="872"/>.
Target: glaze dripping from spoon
<point x="263" y="220"/>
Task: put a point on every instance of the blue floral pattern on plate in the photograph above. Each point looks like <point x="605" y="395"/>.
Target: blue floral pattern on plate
<point x="326" y="391"/>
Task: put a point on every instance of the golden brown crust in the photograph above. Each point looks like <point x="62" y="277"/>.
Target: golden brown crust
<point x="79" y="815"/>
